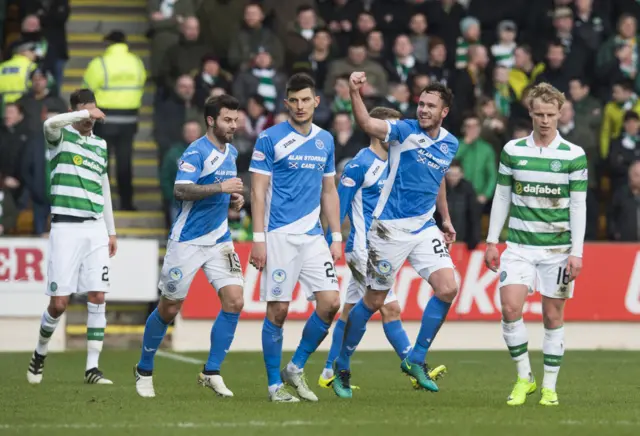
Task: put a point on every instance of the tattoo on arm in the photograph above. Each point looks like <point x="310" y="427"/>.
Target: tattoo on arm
<point x="194" y="192"/>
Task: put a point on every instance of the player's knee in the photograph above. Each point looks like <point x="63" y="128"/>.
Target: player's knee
<point x="374" y="300"/>
<point x="390" y="312"/>
<point x="277" y="313"/>
<point x="511" y="312"/>
<point x="96" y="297"/>
<point x="233" y="304"/>
<point x="169" y="309"/>
<point x="57" y="306"/>
<point x="447" y="291"/>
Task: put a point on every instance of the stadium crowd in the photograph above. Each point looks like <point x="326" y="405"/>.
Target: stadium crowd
<point x="488" y="52"/>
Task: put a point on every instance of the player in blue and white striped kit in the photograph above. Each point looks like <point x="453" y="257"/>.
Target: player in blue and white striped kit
<point x="403" y="227"/>
<point x="293" y="168"/>
<point x="206" y="185"/>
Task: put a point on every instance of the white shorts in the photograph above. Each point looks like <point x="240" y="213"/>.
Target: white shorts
<point x="357" y="263"/>
<point x="293" y="258"/>
<point x="78" y="258"/>
<point x="538" y="269"/>
<point x="389" y="248"/>
<point x="182" y="261"/>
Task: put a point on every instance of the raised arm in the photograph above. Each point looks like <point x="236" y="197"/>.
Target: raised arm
<point x="54" y="125"/>
<point x="371" y="126"/>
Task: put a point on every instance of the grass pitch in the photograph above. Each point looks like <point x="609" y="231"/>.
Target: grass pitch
<point x="599" y="394"/>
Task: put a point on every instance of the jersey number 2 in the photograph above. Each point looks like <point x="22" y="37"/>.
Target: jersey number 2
<point x="329" y="270"/>
<point x="105" y="273"/>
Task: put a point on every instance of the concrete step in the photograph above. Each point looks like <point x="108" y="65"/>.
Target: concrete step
<point x="140" y="184"/>
<point x="139" y="219"/>
<point x="113" y="3"/>
<point x="93" y="52"/>
<point x="99" y="46"/>
<point x="99" y="38"/>
<point x="134" y="24"/>
<point x="142" y="167"/>
<point x="145" y="201"/>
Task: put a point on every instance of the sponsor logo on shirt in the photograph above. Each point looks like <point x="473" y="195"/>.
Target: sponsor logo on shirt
<point x="258" y="155"/>
<point x="186" y="167"/>
<point x="536" y="189"/>
<point x="348" y="182"/>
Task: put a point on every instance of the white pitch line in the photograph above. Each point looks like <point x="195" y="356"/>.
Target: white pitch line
<point x="179" y="357"/>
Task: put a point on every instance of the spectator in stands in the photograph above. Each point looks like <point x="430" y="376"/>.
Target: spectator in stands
<point x="53" y="16"/>
<point x="581" y="135"/>
<point x="31" y="31"/>
<point x="419" y="38"/>
<point x="472" y="82"/>
<point x="282" y="13"/>
<point x="244" y="140"/>
<point x="588" y="109"/>
<point x="444" y="20"/>
<point x="348" y="142"/>
<point x="357" y="60"/>
<point x="300" y="33"/>
<point x="577" y="53"/>
<point x="624" y="150"/>
<point x="464" y="208"/>
<point x="591" y="26"/>
<point x="402" y="63"/>
<point x="521" y="129"/>
<point x="38" y="100"/>
<point x="317" y="62"/>
<point x="172" y="113"/>
<point x="340" y="16"/>
<point x="252" y="38"/>
<point x="341" y="101"/>
<point x="186" y="56"/>
<point x="555" y="69"/>
<point x="624" y="99"/>
<point x="624" y="213"/>
<point x="8" y="209"/>
<point x="494" y="125"/>
<point x="376" y="46"/>
<point x="437" y="68"/>
<point x="191" y="130"/>
<point x="13" y="138"/>
<point x="257" y="116"/>
<point x="14" y="71"/>
<point x="478" y="159"/>
<point x="262" y="79"/>
<point x="210" y="77"/>
<point x="617" y="58"/>
<point x="391" y="16"/>
<point x="118" y="78"/>
<point x="221" y="20"/>
<point x="503" y="95"/>
<point x="504" y="50"/>
<point x="165" y="20"/>
<point x="524" y="71"/>
<point x="399" y="98"/>
<point x="365" y="24"/>
<point x="470" y="35"/>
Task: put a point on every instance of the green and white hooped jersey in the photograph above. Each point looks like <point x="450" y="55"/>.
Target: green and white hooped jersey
<point x="541" y="181"/>
<point x="78" y="164"/>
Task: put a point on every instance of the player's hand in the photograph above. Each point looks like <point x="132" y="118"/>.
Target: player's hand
<point x="113" y="245"/>
<point x="574" y="265"/>
<point x="449" y="233"/>
<point x="232" y="186"/>
<point x="96" y="114"/>
<point x="356" y="80"/>
<point x="258" y="257"/>
<point x="237" y="201"/>
<point x="492" y="257"/>
<point x="336" y="250"/>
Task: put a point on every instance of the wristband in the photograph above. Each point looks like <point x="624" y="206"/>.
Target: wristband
<point x="259" y="237"/>
<point x="336" y="237"/>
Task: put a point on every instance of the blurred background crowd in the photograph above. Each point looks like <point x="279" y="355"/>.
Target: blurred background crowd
<point x="489" y="52"/>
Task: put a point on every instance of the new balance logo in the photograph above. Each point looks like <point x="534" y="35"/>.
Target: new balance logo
<point x="522" y="162"/>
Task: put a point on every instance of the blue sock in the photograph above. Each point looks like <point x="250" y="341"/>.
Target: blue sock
<point x="336" y="343"/>
<point x="397" y="337"/>
<point x="154" y="332"/>
<point x="353" y="333"/>
<point x="272" y="351"/>
<point x="432" y="318"/>
<point x="314" y="332"/>
<point x="222" y="334"/>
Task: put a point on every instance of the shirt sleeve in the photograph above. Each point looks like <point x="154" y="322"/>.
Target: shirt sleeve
<point x="351" y="180"/>
<point x="262" y="157"/>
<point x="330" y="166"/>
<point x="398" y="130"/>
<point x="189" y="167"/>
<point x="578" y="176"/>
<point x="505" y="173"/>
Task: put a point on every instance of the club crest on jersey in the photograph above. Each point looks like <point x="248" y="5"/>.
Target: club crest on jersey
<point x="175" y="274"/>
<point x="555" y="166"/>
<point x="348" y="182"/>
<point x="276" y="292"/>
<point x="258" y="155"/>
<point x="186" y="167"/>
<point x="384" y="267"/>
<point x="279" y="276"/>
<point x="444" y="148"/>
<point x="319" y="144"/>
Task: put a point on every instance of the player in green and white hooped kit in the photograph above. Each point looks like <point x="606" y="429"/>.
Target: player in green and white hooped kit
<point x="542" y="186"/>
<point x="83" y="236"/>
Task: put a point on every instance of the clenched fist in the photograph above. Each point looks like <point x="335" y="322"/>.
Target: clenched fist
<point x="357" y="80"/>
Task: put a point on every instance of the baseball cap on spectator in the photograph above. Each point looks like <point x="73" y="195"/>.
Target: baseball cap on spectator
<point x="562" y="12"/>
<point x="116" y="36"/>
<point x="507" y="25"/>
<point x="467" y="22"/>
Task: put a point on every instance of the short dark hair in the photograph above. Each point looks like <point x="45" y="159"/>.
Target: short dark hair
<point x="385" y="113"/>
<point x="555" y="42"/>
<point x="17" y="105"/>
<point x="626" y="84"/>
<point x="214" y="105"/>
<point x="438" y="88"/>
<point x="300" y="81"/>
<point x="455" y="163"/>
<point x="525" y="48"/>
<point x="580" y="79"/>
<point x="304" y="8"/>
<point x="470" y="115"/>
<point x="81" y="96"/>
<point x="631" y="115"/>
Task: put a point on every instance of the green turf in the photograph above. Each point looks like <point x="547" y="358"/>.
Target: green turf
<point x="599" y="394"/>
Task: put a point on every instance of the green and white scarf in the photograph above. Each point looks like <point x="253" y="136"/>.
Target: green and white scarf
<point x="266" y="88"/>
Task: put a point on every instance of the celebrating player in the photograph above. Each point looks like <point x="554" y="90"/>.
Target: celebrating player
<point x="359" y="191"/>
<point x="205" y="186"/>
<point x="83" y="233"/>
<point x="403" y="225"/>
<point x="293" y="177"/>
<point x="542" y="185"/>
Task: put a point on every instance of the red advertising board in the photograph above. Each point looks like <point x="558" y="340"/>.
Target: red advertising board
<point x="607" y="290"/>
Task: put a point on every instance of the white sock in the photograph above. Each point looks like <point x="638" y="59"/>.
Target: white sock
<point x="327" y="373"/>
<point x="48" y="325"/>
<point x="274" y="388"/>
<point x="96" y="323"/>
<point x="517" y="340"/>
<point x="553" y="350"/>
<point x="292" y="367"/>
